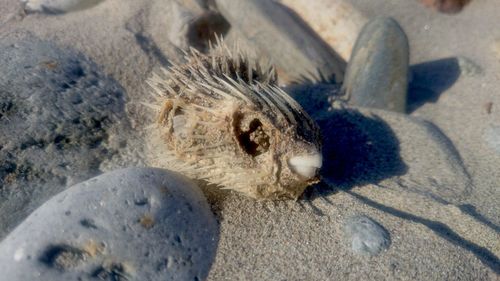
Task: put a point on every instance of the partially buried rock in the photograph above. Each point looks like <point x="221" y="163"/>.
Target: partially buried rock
<point x="58" y="6"/>
<point x="446" y="6"/>
<point x="131" y="224"/>
<point x="377" y="72"/>
<point x="366" y="236"/>
<point x="60" y="118"/>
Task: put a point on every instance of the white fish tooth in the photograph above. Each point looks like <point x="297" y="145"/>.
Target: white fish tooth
<point x="306" y="165"/>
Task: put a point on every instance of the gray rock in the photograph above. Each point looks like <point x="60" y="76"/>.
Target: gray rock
<point x="492" y="137"/>
<point x="58" y="6"/>
<point x="366" y="236"/>
<point x="60" y="118"/>
<point x="131" y="224"/>
<point x="377" y="72"/>
<point x="282" y="38"/>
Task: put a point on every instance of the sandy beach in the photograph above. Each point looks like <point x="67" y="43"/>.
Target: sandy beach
<point x="438" y="199"/>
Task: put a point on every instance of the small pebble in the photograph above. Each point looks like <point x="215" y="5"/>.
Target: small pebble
<point x="492" y="137"/>
<point x="469" y="67"/>
<point x="96" y="229"/>
<point x="377" y="73"/>
<point x="366" y="236"/>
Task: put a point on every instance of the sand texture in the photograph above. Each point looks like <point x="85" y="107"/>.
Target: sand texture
<point x="430" y="178"/>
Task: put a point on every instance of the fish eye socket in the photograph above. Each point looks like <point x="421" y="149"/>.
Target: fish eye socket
<point x="254" y="139"/>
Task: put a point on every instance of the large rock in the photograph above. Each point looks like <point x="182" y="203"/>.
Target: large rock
<point x="60" y="117"/>
<point x="131" y="224"/>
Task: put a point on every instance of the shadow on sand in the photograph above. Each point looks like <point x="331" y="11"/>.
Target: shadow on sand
<point x="484" y="255"/>
<point x="359" y="150"/>
<point x="430" y="80"/>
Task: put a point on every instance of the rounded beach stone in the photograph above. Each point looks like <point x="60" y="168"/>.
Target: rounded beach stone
<point x="366" y="236"/>
<point x="377" y="72"/>
<point x="130" y="224"/>
<point x="60" y="118"/>
<point x="58" y="6"/>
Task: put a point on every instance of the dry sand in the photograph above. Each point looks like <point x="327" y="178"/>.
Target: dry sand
<point x="430" y="239"/>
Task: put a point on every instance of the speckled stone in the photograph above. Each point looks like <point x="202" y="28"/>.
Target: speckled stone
<point x="366" y="236"/>
<point x="130" y="224"/>
<point x="60" y="119"/>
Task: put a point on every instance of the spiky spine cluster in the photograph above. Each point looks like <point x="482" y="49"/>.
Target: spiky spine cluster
<point x="212" y="111"/>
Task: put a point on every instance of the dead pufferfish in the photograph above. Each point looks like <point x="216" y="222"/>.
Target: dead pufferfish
<point x="223" y="119"/>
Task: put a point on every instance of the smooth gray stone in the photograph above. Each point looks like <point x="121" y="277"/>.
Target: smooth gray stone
<point x="130" y="224"/>
<point x="58" y="6"/>
<point x="60" y="118"/>
<point x="366" y="236"/>
<point x="284" y="39"/>
<point x="377" y="72"/>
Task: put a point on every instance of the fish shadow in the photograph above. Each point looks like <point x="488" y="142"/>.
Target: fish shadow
<point x="358" y="150"/>
<point x="430" y="80"/>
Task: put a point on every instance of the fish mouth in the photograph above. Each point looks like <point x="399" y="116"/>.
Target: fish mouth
<point x="306" y="165"/>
